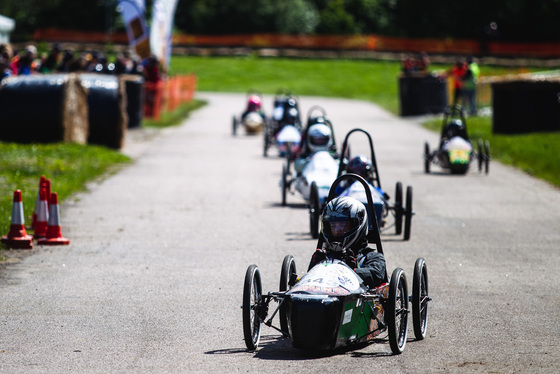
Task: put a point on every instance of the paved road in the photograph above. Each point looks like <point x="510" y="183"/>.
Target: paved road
<point x="152" y="280"/>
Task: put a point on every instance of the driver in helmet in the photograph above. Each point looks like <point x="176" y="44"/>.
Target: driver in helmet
<point x="344" y="230"/>
<point x="361" y="165"/>
<point x="254" y="104"/>
<point x="454" y="128"/>
<point x="319" y="138"/>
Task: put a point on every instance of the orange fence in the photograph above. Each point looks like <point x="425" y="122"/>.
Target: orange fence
<point x="168" y="94"/>
<point x="376" y="43"/>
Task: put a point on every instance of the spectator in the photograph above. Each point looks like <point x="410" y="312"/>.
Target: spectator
<point x="422" y="63"/>
<point x="457" y="73"/>
<point x="26" y="63"/>
<point x="470" y="81"/>
<point x="152" y="71"/>
<point x="53" y="60"/>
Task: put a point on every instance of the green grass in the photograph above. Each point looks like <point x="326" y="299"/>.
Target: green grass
<point x="375" y="81"/>
<point x="536" y="154"/>
<point x="68" y="166"/>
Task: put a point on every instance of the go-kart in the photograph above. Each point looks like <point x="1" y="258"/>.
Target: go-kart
<point x="253" y="118"/>
<point x="283" y="129"/>
<point x="330" y="307"/>
<point x="316" y="177"/>
<point x="455" y="151"/>
<point x="388" y="213"/>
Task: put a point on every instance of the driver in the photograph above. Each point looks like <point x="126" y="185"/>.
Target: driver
<point x="253" y="105"/>
<point x="344" y="230"/>
<point x="319" y="138"/>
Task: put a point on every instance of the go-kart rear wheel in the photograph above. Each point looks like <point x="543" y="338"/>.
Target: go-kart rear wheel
<point x="408" y="213"/>
<point x="252" y="303"/>
<point x="234" y="126"/>
<point x="314" y="210"/>
<point x="480" y="154"/>
<point x="287" y="277"/>
<point x="284" y="184"/>
<point x="397" y="311"/>
<point x="427" y="158"/>
<point x="399" y="209"/>
<point x="420" y="298"/>
<point x="486" y="157"/>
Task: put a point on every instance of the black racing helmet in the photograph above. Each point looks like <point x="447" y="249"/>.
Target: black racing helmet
<point x="360" y="165"/>
<point x="344" y="223"/>
<point x="454" y="128"/>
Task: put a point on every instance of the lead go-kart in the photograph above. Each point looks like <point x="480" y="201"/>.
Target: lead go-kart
<point x="455" y="151"/>
<point x="283" y="129"/>
<point x="388" y="213"/>
<point x="252" y="119"/>
<point x="330" y="307"/>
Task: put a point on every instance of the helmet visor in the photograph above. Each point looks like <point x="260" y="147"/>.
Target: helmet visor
<point x="320" y="140"/>
<point x="337" y="229"/>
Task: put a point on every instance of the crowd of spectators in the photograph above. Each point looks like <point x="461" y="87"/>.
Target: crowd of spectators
<point x="28" y="61"/>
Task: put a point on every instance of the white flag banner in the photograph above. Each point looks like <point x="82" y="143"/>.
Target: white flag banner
<point x="132" y="12"/>
<point x="163" y="14"/>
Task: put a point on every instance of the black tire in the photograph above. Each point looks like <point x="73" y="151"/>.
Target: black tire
<point x="480" y="154"/>
<point x="252" y="302"/>
<point x="399" y="209"/>
<point x="288" y="272"/>
<point x="284" y="184"/>
<point x="266" y="140"/>
<point x="234" y="126"/>
<point x="314" y="211"/>
<point x="486" y="157"/>
<point x="408" y="213"/>
<point x="420" y="298"/>
<point x="397" y="311"/>
<point x="427" y="158"/>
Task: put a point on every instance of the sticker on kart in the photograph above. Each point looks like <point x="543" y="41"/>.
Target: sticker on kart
<point x="328" y="278"/>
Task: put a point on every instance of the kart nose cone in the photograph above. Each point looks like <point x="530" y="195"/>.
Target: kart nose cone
<point x="314" y="321"/>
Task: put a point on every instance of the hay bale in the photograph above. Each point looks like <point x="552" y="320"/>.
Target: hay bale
<point x="43" y="109"/>
<point x="106" y="98"/>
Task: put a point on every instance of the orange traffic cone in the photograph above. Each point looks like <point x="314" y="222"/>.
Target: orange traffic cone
<point x="54" y="236"/>
<point x="17" y="237"/>
<point x="37" y="201"/>
<point x="41" y="223"/>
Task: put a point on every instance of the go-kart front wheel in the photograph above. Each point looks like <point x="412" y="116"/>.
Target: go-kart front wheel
<point x="397" y="311"/>
<point x="427" y="158"/>
<point x="408" y="213"/>
<point x="314" y="210"/>
<point x="287" y="278"/>
<point x="252" y="303"/>
<point x="234" y="126"/>
<point x="399" y="209"/>
<point x="420" y="298"/>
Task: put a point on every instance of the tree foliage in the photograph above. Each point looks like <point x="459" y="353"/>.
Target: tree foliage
<point x="517" y="20"/>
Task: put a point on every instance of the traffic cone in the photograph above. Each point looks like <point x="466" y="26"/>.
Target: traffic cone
<point x="37" y="201"/>
<point x="17" y="237"/>
<point x="41" y="223"/>
<point x="54" y="236"/>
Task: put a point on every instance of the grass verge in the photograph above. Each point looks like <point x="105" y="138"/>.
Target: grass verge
<point x="176" y="117"/>
<point x="536" y="154"/>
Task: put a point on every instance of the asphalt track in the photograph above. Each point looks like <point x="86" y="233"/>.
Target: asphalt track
<point x="152" y="280"/>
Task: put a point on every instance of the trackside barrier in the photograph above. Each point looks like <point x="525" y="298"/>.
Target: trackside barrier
<point x="168" y="95"/>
